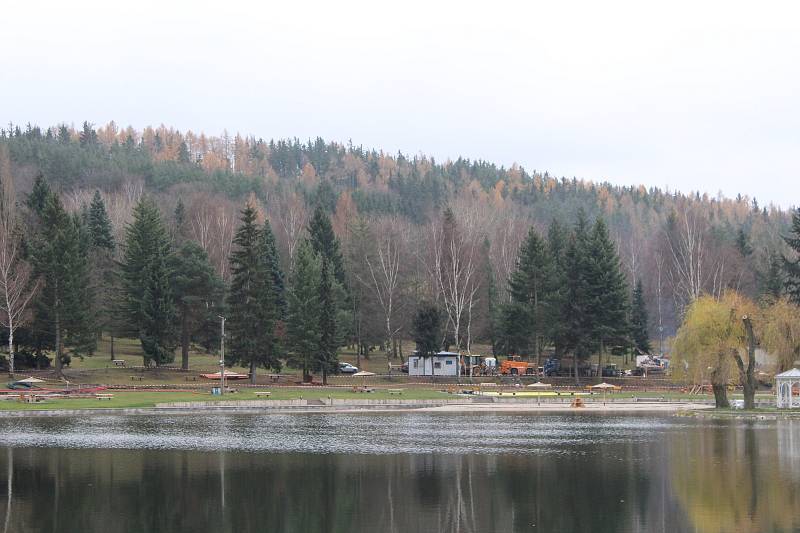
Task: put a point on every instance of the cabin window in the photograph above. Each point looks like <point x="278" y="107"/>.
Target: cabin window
<point x="416" y="363"/>
<point x="437" y="364"/>
<point x="449" y="362"/>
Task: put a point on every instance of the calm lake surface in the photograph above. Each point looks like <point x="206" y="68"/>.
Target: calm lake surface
<point x="401" y="472"/>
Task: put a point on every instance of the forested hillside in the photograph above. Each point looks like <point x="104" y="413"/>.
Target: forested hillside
<point x="406" y="229"/>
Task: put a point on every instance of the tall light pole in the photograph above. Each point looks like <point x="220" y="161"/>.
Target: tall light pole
<point x="222" y="356"/>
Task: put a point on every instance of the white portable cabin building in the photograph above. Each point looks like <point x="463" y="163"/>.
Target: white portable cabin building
<point x="441" y="364"/>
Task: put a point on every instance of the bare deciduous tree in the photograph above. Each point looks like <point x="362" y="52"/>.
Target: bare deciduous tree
<point x="17" y="286"/>
<point x="455" y="264"/>
<point x="384" y="273"/>
<point x="694" y="270"/>
<point x="292" y="216"/>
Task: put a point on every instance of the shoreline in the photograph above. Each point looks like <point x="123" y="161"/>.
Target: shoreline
<point x="347" y="408"/>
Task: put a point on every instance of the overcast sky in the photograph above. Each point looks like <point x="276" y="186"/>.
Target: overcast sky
<point x="687" y="95"/>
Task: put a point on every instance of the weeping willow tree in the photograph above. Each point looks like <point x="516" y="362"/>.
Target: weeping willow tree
<point x="711" y="342"/>
<point x="781" y="333"/>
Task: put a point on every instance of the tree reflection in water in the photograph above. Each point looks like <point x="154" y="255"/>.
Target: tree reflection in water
<point x="678" y="476"/>
<point x="738" y="477"/>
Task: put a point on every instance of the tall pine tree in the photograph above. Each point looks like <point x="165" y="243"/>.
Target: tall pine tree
<point x="269" y="254"/>
<point x="252" y="309"/>
<point x="195" y="286"/>
<point x="608" y="296"/>
<point x="326" y="359"/>
<point x="60" y="259"/>
<point x="325" y="243"/>
<point x="557" y="242"/>
<point x="148" y="298"/>
<point x="577" y="311"/>
<point x="303" y="316"/>
<point x="529" y="285"/>
<point x="99" y="225"/>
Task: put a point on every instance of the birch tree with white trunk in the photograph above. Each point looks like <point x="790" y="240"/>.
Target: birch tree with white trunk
<point x="17" y="288"/>
<point x="384" y="272"/>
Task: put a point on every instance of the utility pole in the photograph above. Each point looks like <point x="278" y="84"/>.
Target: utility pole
<point x="222" y="357"/>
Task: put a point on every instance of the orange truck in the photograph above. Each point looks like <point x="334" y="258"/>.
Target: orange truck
<point x="515" y="366"/>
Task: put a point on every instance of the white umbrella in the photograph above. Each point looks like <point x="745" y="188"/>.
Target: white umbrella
<point x="604" y="386"/>
<point x="363" y="373"/>
<point x="31" y="380"/>
<point x="539" y="385"/>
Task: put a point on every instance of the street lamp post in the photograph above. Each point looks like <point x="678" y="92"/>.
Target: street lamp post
<point x="222" y="357"/>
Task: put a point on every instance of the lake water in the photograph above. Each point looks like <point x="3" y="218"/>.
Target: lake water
<point x="400" y="472"/>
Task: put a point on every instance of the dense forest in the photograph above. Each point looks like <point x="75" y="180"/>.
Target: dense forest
<point x="309" y="246"/>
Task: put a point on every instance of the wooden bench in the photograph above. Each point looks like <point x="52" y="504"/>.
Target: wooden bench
<point x="104" y="396"/>
<point x="394" y="391"/>
<point x="263" y="393"/>
<point x="641" y="399"/>
<point x="190" y="378"/>
<point x="136" y="378"/>
<point x="118" y="362"/>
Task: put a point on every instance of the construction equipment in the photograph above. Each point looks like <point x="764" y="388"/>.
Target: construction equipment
<point x="515" y="366"/>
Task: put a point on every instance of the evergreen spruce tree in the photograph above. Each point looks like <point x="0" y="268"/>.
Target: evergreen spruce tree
<point x="99" y="225"/>
<point x="183" y="153"/>
<point x="251" y="302"/>
<point x="324" y="242"/>
<point x="326" y="359"/>
<point x="608" y="296"/>
<point x="39" y="195"/>
<point x="743" y="243"/>
<point x="792" y="266"/>
<point x="771" y="278"/>
<point x="426" y="330"/>
<point x="103" y="273"/>
<point x="528" y="286"/>
<point x="60" y="258"/>
<point x="269" y="253"/>
<point x="148" y="299"/>
<point x="195" y="286"/>
<point x="557" y="242"/>
<point x="577" y="311"/>
<point x="639" y="323"/>
<point x="303" y="315"/>
<point x="179" y="218"/>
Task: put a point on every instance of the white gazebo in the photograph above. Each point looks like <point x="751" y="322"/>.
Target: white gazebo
<point x="785" y="382"/>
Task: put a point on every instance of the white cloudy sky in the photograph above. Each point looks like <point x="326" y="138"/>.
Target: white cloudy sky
<point x="691" y="95"/>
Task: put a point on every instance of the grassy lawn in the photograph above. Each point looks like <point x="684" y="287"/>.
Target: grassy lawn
<point x="139" y="399"/>
<point x="134" y="399"/>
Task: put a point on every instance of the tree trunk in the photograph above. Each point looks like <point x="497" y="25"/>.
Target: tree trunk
<point x="719" y="383"/>
<point x="600" y="360"/>
<point x="324" y="374"/>
<point x="252" y="372"/>
<point x="747" y="375"/>
<point x="10" y="346"/>
<point x="720" y="396"/>
<point x="112" y="348"/>
<point x="58" y="343"/>
<point x="185" y="338"/>
<point x="575" y="367"/>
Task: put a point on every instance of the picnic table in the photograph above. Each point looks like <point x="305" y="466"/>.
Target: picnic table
<point x="136" y="378"/>
<point x="395" y="391"/>
<point x="104" y="396"/>
<point x="263" y="393"/>
<point x="118" y="362"/>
